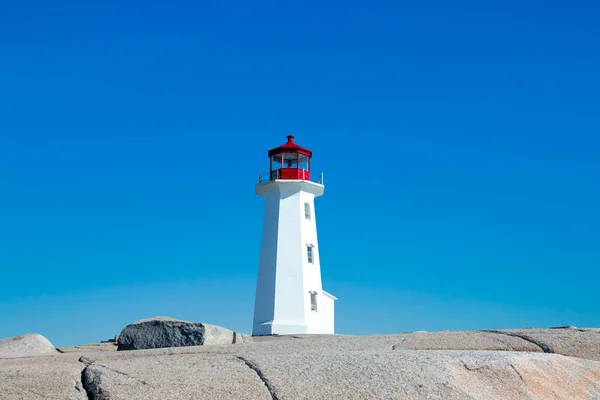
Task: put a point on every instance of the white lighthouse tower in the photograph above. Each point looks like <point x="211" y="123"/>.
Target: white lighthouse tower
<point x="289" y="295"/>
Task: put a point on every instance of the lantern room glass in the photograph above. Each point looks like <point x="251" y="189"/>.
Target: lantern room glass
<point x="289" y="161"/>
<point x="303" y="162"/>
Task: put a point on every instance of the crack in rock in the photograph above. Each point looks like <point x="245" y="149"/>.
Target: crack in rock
<point x="545" y="348"/>
<point x="81" y="385"/>
<point x="86" y="361"/>
<point x="123" y="373"/>
<point x="261" y="376"/>
<point x="464" y="364"/>
<point x="518" y="373"/>
<point x="90" y="381"/>
<point x="397" y="346"/>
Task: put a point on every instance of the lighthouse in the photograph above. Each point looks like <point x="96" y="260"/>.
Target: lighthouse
<point x="289" y="295"/>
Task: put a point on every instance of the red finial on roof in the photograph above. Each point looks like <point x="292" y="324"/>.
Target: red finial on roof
<point x="290" y="146"/>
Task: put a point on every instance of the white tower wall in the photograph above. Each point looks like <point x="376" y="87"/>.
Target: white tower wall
<point x="287" y="281"/>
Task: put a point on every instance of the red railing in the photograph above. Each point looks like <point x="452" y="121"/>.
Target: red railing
<point x="287" y="174"/>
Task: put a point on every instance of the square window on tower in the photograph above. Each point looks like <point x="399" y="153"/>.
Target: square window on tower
<point x="313" y="301"/>
<point x="309" y="253"/>
<point x="307" y="211"/>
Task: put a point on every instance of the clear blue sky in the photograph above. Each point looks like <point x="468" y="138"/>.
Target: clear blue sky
<point x="460" y="144"/>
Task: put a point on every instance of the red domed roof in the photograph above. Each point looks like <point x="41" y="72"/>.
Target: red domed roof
<point x="290" y="147"/>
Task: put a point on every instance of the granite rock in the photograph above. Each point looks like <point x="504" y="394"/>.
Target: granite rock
<point x="28" y="345"/>
<point x="568" y="341"/>
<point x="450" y="365"/>
<point x="433" y="374"/>
<point x="241" y="338"/>
<point x="159" y="332"/>
<point x="45" y="377"/>
<point x="184" y="376"/>
<point x="463" y="340"/>
<point x="89" y="348"/>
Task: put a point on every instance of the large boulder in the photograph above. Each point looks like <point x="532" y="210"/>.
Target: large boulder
<point x="158" y="332"/>
<point x="28" y="345"/>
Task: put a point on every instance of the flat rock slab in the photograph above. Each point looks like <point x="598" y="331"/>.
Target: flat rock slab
<point x="28" y="345"/>
<point x="574" y="342"/>
<point x="410" y="374"/>
<point x="202" y="376"/>
<point x="445" y="340"/>
<point x="37" y="378"/>
<point x="89" y="348"/>
<point x="586" y="343"/>
<point x="463" y="340"/>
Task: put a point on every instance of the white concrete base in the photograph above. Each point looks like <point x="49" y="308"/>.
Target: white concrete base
<point x="280" y="328"/>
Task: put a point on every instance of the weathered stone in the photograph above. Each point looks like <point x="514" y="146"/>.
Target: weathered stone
<point x="198" y="376"/>
<point x="28" y="345"/>
<point x="89" y="348"/>
<point x="434" y="374"/>
<point x="241" y="338"/>
<point x="463" y="340"/>
<point x="37" y="378"/>
<point x="162" y="332"/>
<point x="318" y="367"/>
<point x="583" y="343"/>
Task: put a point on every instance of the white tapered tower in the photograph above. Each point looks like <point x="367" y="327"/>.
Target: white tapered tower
<point x="289" y="295"/>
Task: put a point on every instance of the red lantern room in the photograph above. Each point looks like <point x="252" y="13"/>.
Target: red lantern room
<point x="290" y="161"/>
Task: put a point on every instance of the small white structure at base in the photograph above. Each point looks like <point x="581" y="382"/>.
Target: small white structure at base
<point x="289" y="294"/>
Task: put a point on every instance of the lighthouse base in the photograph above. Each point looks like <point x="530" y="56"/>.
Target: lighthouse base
<point x="313" y="323"/>
<point x="280" y="328"/>
<point x="289" y="328"/>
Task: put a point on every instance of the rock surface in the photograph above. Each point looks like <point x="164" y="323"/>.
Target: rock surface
<point x="411" y="366"/>
<point x="28" y="345"/>
<point x="428" y="375"/>
<point x="570" y="341"/>
<point x="45" y="377"/>
<point x="88" y="348"/>
<point x="199" y="376"/>
<point x="463" y="340"/>
<point x="241" y="338"/>
<point x="159" y="332"/>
